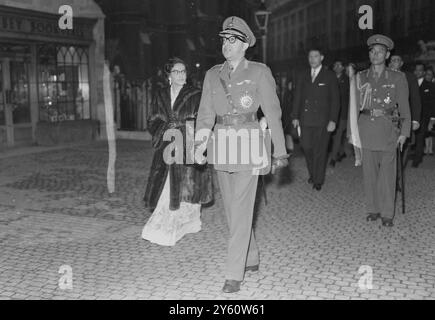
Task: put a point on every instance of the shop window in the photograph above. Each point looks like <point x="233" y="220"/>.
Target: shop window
<point x="63" y="83"/>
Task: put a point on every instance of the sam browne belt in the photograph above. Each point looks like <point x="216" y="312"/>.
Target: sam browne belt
<point x="233" y="119"/>
<point x="377" y="112"/>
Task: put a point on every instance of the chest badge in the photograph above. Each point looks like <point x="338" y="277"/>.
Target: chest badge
<point x="387" y="100"/>
<point x="246" y="101"/>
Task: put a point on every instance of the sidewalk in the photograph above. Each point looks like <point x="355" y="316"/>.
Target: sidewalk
<point x="55" y="211"/>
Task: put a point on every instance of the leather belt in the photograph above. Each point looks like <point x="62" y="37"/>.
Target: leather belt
<point x="236" y="118"/>
<point x="377" y="112"/>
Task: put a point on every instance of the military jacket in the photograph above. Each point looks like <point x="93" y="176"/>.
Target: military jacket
<point x="389" y="91"/>
<point x="251" y="85"/>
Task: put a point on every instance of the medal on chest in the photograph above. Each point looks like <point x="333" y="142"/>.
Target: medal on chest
<point x="246" y="101"/>
<point x="387" y="100"/>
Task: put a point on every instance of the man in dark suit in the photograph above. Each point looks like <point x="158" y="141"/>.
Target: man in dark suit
<point x="427" y="94"/>
<point x="315" y="114"/>
<point x="338" y="142"/>
<point x="396" y="64"/>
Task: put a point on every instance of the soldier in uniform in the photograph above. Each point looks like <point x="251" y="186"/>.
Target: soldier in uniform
<point x="384" y="124"/>
<point x="232" y="94"/>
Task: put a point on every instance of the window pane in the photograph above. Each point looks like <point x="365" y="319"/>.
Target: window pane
<point x="63" y="83"/>
<point x="20" y="92"/>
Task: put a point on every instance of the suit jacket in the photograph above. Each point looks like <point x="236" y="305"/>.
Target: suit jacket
<point x="414" y="96"/>
<point x="250" y="86"/>
<point x="389" y="91"/>
<point x="427" y="94"/>
<point x="316" y="103"/>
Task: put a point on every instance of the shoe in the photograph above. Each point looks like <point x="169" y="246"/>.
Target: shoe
<point x="231" y="286"/>
<point x="317" y="187"/>
<point x="386" y="222"/>
<point x="415" y="164"/>
<point x="252" y="268"/>
<point x="310" y="181"/>
<point x="373" y="216"/>
<point x="332" y="163"/>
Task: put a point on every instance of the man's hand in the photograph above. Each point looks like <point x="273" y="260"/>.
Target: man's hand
<point x="415" y="125"/>
<point x="278" y="163"/>
<point x="401" y="141"/>
<point x="331" y="126"/>
<point x="295" y="123"/>
<point x="263" y="123"/>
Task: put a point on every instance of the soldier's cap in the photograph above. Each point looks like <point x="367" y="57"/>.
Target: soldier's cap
<point x="235" y="26"/>
<point x="382" y="40"/>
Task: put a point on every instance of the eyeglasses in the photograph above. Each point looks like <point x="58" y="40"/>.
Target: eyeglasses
<point x="232" y="39"/>
<point x="178" y="72"/>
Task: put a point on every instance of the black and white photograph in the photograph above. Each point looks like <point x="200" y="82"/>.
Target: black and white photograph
<point x="226" y="153"/>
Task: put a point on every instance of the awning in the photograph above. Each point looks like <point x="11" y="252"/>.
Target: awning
<point x="145" y="38"/>
<point x="190" y="45"/>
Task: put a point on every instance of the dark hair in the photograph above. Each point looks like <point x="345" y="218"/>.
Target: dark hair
<point x="171" y="63"/>
<point x="320" y="50"/>
<point x="420" y="63"/>
<point x="340" y="61"/>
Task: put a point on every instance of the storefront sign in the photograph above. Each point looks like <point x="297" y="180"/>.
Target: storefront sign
<point x="44" y="26"/>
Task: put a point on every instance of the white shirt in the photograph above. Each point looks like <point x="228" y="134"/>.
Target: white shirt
<point x="316" y="72"/>
<point x="173" y="97"/>
<point x="420" y="81"/>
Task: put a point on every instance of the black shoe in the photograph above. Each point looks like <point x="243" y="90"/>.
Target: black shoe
<point x="231" y="286"/>
<point x="332" y="163"/>
<point x="252" y="268"/>
<point x="317" y="187"/>
<point x="310" y="181"/>
<point x="415" y="164"/>
<point x="386" y="222"/>
<point x="373" y="216"/>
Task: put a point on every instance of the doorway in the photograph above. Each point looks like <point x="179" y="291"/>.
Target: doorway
<point x="15" y="113"/>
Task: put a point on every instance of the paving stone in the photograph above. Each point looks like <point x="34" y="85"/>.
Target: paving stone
<point x="311" y="243"/>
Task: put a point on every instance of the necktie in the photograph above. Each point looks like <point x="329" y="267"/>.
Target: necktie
<point x="313" y="75"/>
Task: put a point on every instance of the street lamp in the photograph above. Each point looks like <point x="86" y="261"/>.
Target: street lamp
<point x="262" y="19"/>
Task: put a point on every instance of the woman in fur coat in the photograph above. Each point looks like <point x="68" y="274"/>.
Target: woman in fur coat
<point x="174" y="192"/>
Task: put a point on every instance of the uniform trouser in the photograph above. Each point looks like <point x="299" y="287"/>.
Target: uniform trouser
<point x="379" y="174"/>
<point x="420" y="137"/>
<point x="314" y="142"/>
<point x="339" y="143"/>
<point x="238" y="191"/>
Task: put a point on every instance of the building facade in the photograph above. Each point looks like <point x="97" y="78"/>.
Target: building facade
<point x="51" y="80"/>
<point x="297" y="25"/>
<point x="142" y="34"/>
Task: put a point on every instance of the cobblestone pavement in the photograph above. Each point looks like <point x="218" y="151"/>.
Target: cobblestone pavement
<point x="55" y="211"/>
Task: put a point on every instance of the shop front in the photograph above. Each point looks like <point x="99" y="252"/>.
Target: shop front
<point x="50" y="79"/>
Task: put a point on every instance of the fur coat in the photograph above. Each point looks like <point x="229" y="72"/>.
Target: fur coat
<point x="188" y="183"/>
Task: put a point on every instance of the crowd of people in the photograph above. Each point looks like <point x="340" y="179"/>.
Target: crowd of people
<point x="420" y="78"/>
<point x="376" y="115"/>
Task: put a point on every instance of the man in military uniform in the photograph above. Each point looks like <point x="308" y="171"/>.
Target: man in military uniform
<point x="384" y="124"/>
<point x="232" y="94"/>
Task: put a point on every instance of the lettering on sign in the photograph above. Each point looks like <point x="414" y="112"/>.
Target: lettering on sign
<point x="11" y="23"/>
